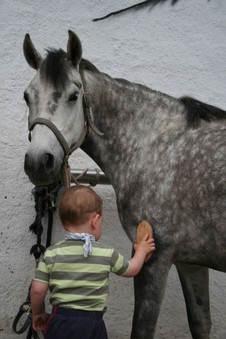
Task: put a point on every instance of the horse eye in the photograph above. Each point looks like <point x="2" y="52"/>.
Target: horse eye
<point x="73" y="96"/>
<point x="26" y="98"/>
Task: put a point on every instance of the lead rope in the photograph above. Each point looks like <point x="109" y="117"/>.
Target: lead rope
<point x="44" y="201"/>
<point x="66" y="175"/>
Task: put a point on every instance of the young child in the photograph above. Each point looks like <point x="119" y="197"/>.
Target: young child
<point x="76" y="271"/>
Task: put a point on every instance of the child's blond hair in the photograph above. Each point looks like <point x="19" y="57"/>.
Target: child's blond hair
<point x="76" y="204"/>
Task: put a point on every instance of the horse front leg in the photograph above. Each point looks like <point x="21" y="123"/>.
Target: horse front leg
<point x="195" y="284"/>
<point x="149" y="287"/>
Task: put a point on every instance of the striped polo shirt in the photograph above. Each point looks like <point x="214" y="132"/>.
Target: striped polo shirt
<point x="75" y="281"/>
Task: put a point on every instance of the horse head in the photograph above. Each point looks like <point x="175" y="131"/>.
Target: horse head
<point x="55" y="98"/>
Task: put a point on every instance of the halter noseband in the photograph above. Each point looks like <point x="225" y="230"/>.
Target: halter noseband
<point x="67" y="150"/>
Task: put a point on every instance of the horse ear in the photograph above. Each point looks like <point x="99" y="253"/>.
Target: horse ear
<point x="74" y="48"/>
<point x="32" y="56"/>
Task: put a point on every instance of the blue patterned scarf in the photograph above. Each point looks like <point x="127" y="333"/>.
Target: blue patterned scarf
<point x="86" y="237"/>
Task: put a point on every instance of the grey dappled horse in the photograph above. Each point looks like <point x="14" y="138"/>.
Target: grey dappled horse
<point x="166" y="160"/>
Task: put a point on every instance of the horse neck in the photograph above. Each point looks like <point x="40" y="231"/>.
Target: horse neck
<point x="130" y="115"/>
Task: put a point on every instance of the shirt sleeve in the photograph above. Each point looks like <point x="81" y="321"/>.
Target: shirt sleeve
<point x="119" y="264"/>
<point x="42" y="273"/>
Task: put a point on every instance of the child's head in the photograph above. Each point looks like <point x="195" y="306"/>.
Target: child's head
<point x="76" y="205"/>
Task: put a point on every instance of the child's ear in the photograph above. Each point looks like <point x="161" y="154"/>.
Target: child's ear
<point x="94" y="220"/>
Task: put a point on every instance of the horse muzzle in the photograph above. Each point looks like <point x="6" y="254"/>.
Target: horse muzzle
<point x="42" y="169"/>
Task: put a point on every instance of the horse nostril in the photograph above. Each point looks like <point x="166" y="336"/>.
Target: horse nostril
<point x="48" y="161"/>
<point x="27" y="163"/>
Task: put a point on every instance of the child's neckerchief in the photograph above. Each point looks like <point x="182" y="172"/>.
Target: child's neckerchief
<point x="86" y="237"/>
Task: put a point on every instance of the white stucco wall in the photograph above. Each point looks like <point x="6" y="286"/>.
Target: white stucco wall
<point x="179" y="50"/>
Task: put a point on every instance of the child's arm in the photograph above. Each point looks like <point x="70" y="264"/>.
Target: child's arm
<point x="38" y="294"/>
<point x="141" y="251"/>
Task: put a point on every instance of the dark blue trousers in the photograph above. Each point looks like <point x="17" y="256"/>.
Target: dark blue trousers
<point x="65" y="323"/>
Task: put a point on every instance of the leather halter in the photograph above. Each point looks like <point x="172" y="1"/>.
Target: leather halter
<point x="89" y="124"/>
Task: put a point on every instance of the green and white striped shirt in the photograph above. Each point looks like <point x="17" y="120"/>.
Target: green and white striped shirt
<point x="75" y="281"/>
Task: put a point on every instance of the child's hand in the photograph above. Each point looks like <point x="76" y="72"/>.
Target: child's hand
<point x="39" y="321"/>
<point x="143" y="252"/>
<point x="146" y="245"/>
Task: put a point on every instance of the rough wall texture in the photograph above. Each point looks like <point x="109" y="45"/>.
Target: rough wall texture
<point x="179" y="50"/>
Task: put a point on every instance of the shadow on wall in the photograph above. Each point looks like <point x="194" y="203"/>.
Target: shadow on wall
<point x="139" y="5"/>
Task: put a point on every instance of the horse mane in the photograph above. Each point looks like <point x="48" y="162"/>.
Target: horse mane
<point x="197" y="111"/>
<point x="87" y="65"/>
